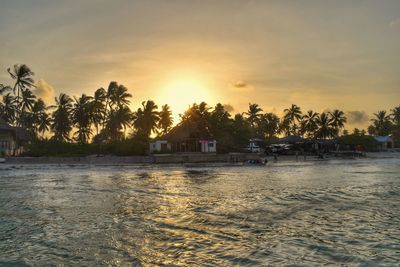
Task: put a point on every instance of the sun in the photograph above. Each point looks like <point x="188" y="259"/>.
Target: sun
<point x="181" y="92"/>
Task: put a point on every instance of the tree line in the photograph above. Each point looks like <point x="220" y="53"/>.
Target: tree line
<point x="107" y="117"/>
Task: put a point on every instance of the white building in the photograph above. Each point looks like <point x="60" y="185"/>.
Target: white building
<point x="385" y="142"/>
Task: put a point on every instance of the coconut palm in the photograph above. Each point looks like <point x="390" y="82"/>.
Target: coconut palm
<point x="268" y="125"/>
<point x="4" y="89"/>
<point x="43" y="123"/>
<point x="82" y="118"/>
<point x="117" y="123"/>
<point x="309" y="123"/>
<point x="22" y="75"/>
<point x="165" y="119"/>
<point x="219" y="114"/>
<point x="293" y="115"/>
<point x="253" y="114"/>
<point x="62" y="123"/>
<point x="40" y="117"/>
<point x="27" y="100"/>
<point x="382" y="123"/>
<point x="8" y="109"/>
<point x="241" y="129"/>
<point x="338" y="119"/>
<point x="99" y="108"/>
<point x="119" y="96"/>
<point x="284" y="127"/>
<point x="145" y="119"/>
<point x="396" y="115"/>
<point x="324" y="128"/>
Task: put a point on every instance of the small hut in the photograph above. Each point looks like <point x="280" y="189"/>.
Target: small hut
<point x="385" y="142"/>
<point x="185" y="138"/>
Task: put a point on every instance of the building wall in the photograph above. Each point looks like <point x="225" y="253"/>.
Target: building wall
<point x="159" y="146"/>
<point x="208" y="146"/>
<point x="7" y="143"/>
<point x="203" y="146"/>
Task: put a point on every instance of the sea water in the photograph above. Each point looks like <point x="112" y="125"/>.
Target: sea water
<point x="305" y="213"/>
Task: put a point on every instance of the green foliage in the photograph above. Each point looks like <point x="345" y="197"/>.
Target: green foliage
<point x="367" y="141"/>
<point x="52" y="147"/>
<point x="102" y="122"/>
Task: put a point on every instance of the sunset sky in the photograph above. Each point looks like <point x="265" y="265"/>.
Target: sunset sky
<point x="317" y="54"/>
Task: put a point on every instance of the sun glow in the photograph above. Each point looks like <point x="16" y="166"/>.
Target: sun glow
<point x="180" y="93"/>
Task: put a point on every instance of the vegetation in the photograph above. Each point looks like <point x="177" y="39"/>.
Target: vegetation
<point x="105" y="123"/>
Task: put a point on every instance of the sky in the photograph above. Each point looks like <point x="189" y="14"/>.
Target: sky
<point x="319" y="55"/>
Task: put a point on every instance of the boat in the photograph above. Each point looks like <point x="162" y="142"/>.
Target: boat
<point x="256" y="162"/>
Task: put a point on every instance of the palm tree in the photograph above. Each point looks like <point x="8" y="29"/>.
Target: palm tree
<point x="309" y="123"/>
<point x="253" y="114"/>
<point x="4" y="88"/>
<point x="99" y="108"/>
<point x="62" y="123"/>
<point x="382" y="123"/>
<point x="165" y="119"/>
<point x="324" y="128"/>
<point x="82" y="118"/>
<point x="40" y="117"/>
<point x="119" y="96"/>
<point x="27" y="100"/>
<point x="112" y="87"/>
<point x="293" y="115"/>
<point x="146" y="118"/>
<point x="269" y="125"/>
<point x="22" y="75"/>
<point x="338" y="119"/>
<point x="8" y="109"/>
<point x="396" y="115"/>
<point x="43" y="123"/>
<point x="117" y="123"/>
<point x="284" y="127"/>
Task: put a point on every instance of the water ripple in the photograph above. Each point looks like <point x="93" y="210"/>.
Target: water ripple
<point x="311" y="214"/>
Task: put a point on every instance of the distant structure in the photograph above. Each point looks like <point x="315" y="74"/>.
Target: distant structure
<point x="385" y="142"/>
<point x="184" y="138"/>
<point x="12" y="139"/>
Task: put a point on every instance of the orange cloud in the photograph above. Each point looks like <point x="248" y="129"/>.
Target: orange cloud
<point x="44" y="91"/>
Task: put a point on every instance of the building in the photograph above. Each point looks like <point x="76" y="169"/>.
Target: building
<point x="385" y="142"/>
<point x="8" y="138"/>
<point x="13" y="140"/>
<point x="185" y="138"/>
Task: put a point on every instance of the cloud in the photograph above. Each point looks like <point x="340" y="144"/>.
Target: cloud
<point x="395" y="24"/>
<point x="357" y="117"/>
<point x="239" y="84"/>
<point x="44" y="91"/>
<point x="228" y="108"/>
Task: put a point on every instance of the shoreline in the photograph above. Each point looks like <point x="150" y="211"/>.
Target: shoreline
<point x="195" y="159"/>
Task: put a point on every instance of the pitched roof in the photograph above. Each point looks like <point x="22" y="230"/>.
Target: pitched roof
<point x="188" y="130"/>
<point x="383" y="139"/>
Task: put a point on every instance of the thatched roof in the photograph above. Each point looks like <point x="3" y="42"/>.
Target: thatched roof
<point x="188" y="130"/>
